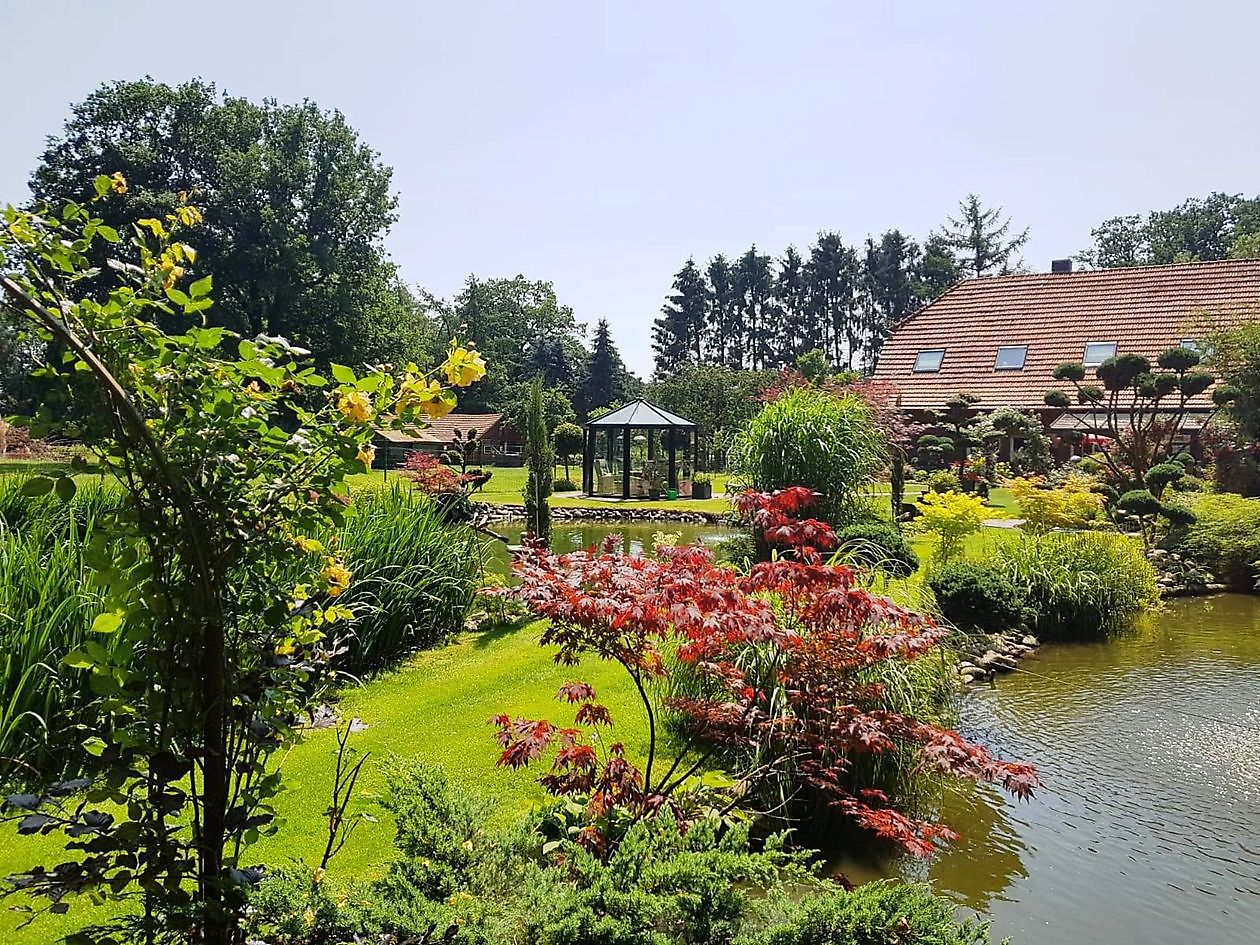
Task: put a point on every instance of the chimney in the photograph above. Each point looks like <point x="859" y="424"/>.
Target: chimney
<point x="1061" y="265"/>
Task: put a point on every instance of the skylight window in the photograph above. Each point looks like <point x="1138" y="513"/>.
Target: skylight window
<point x="1010" y="358"/>
<point x="929" y="361"/>
<point x="1202" y="349"/>
<point x="1096" y="352"/>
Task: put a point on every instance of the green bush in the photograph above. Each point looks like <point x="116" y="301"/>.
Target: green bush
<point x="1080" y="585"/>
<point x="884" y="913"/>
<point x="812" y="438"/>
<point x="563" y="484"/>
<point x="455" y="879"/>
<point x="414" y="577"/>
<point x="978" y="596"/>
<point x="1224" y="538"/>
<point x="944" y="481"/>
<point x="878" y="545"/>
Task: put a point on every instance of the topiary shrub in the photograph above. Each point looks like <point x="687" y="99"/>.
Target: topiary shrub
<point x="978" y="596"/>
<point x="563" y="485"/>
<point x="813" y="438"/>
<point x="880" y="546"/>
<point x="1080" y="585"/>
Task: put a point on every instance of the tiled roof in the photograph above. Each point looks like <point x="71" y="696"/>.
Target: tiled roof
<point x="1145" y="310"/>
<point x="442" y="431"/>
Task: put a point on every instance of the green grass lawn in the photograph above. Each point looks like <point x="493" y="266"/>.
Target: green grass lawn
<point x="436" y="707"/>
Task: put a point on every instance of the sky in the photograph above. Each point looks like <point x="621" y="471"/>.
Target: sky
<point x="597" y="144"/>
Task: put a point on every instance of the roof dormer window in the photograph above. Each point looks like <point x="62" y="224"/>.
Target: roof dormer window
<point x="1096" y="352"/>
<point x="1010" y="358"/>
<point x="929" y="361"/>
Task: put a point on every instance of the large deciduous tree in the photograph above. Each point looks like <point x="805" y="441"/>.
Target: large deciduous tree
<point x="1218" y="226"/>
<point x="295" y="209"/>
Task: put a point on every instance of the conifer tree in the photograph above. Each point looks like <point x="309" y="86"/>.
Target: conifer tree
<point x="678" y="334"/>
<point x="540" y="463"/>
<point x="725" y="325"/>
<point x="605" y="380"/>
<point x="979" y="236"/>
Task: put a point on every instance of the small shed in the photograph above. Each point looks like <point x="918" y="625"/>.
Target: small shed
<point x="638" y="450"/>
<point x="498" y="441"/>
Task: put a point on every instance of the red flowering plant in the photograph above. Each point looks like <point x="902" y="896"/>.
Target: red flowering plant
<point x="785" y="694"/>
<point x="430" y="474"/>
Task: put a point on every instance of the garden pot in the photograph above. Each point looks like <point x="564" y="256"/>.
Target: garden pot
<point x="702" y="490"/>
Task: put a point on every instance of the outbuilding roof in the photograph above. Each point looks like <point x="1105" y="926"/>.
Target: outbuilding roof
<point x="1144" y="310"/>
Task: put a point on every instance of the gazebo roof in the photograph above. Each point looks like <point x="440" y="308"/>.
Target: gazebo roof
<point x="639" y="414"/>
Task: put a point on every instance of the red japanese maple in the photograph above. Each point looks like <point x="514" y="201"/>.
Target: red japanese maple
<point x="789" y="656"/>
<point x="430" y="474"/>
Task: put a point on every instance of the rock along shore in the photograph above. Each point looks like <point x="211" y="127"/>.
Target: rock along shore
<point x="569" y="513"/>
<point x="986" y="655"/>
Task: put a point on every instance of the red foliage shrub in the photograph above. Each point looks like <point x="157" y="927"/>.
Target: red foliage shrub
<point x="430" y="474"/>
<point x="787" y="653"/>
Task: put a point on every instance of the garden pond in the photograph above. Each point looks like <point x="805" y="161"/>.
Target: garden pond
<point x="1148" y="826"/>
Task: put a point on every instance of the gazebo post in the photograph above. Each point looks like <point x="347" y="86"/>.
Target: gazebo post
<point x="673" y="461"/>
<point x="625" y="462"/>
<point x="588" y="462"/>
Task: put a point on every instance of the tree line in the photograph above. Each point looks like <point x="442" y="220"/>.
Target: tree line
<point x="1218" y="226"/>
<point x="759" y="313"/>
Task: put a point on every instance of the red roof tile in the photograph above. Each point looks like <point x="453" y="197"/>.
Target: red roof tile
<point x="442" y="431"/>
<point x="1145" y="310"/>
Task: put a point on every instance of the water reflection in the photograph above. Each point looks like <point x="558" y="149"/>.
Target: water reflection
<point x="636" y="537"/>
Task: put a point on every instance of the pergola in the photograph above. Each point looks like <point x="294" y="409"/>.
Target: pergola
<point x="610" y="471"/>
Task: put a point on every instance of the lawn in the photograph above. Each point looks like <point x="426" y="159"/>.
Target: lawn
<point x="437" y="707"/>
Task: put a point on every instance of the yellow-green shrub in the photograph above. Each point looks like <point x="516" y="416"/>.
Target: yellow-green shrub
<point x="1070" y="505"/>
<point x="951" y="517"/>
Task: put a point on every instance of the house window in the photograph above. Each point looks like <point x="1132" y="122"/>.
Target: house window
<point x="1096" y="352"/>
<point x="929" y="361"/>
<point x="1010" y="358"/>
<point x="1198" y="347"/>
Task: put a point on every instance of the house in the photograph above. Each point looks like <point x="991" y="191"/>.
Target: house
<point x="500" y="443"/>
<point x="1000" y="338"/>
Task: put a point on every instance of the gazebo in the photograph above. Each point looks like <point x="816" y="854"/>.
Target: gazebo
<point x="623" y="452"/>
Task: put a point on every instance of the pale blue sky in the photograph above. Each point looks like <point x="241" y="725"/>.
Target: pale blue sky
<point x="598" y="144"/>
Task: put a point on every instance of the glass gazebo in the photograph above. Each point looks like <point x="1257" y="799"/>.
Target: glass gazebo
<point x="639" y="450"/>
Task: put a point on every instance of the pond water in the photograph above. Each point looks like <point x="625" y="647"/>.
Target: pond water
<point x="636" y="537"/>
<point x="1148" y="827"/>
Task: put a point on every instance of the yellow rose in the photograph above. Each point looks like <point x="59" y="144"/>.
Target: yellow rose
<point x="415" y="393"/>
<point x="463" y="367"/>
<point x="356" y="406"/>
<point x="338" y="577"/>
<point x="117" y="183"/>
<point x="366" y="455"/>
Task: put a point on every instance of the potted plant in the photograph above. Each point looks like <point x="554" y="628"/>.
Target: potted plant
<point x="654" y="478"/>
<point x="701" y="486"/>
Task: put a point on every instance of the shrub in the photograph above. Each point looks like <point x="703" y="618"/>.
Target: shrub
<point x="878" y="545"/>
<point x="1080" y="585"/>
<point x="563" y="484"/>
<point x="816" y="439"/>
<point x="1071" y="504"/>
<point x="415" y="577"/>
<point x="978" y="596"/>
<point x="944" y="481"/>
<point x="885" y="913"/>
<point x="951" y="517"/>
<point x="1225" y="536"/>
<point x="430" y="474"/>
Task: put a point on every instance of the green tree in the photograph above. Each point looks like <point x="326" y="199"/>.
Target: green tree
<point x="1218" y="226"/>
<point x="719" y="399"/>
<point x="754" y="293"/>
<point x="938" y="269"/>
<point x="814" y="366"/>
<point x="833" y="274"/>
<point x="888" y="282"/>
<point x="798" y="332"/>
<point x="540" y="461"/>
<point x="568" y="440"/>
<point x="678" y="334"/>
<point x="605" y="380"/>
<point x="295" y="205"/>
<point x="726" y="330"/>
<point x="517" y="324"/>
<point x="981" y="239"/>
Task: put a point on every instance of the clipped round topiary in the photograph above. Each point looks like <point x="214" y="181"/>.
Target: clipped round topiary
<point x="1069" y="372"/>
<point x="944" y="481"/>
<point x="978" y="596"/>
<point x="1056" y="398"/>
<point x="878" y="545"/>
<point x="1139" y="502"/>
<point x="1179" y="359"/>
<point x="1159" y="476"/>
<point x="1196" y="382"/>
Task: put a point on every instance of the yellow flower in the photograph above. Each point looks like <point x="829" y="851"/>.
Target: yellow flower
<point x="173" y="275"/>
<point x="415" y="393"/>
<point x="117" y="183"/>
<point x="189" y="216"/>
<point x="356" y="406"/>
<point x="338" y="577"/>
<point x="366" y="455"/>
<point x="464" y="366"/>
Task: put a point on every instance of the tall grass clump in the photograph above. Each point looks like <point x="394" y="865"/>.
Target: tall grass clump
<point x="1081" y="585"/>
<point x="414" y="577"/>
<point x="46" y="608"/>
<point x="810" y="437"/>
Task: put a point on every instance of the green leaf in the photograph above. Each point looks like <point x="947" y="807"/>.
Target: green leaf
<point x="107" y="623"/>
<point x="201" y="287"/>
<point x="65" y="488"/>
<point x="94" y="746"/>
<point x="77" y="659"/>
<point x="36" y="485"/>
<point x="342" y="374"/>
<point x="178" y="297"/>
<point x="101" y="184"/>
<point x="108" y="233"/>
